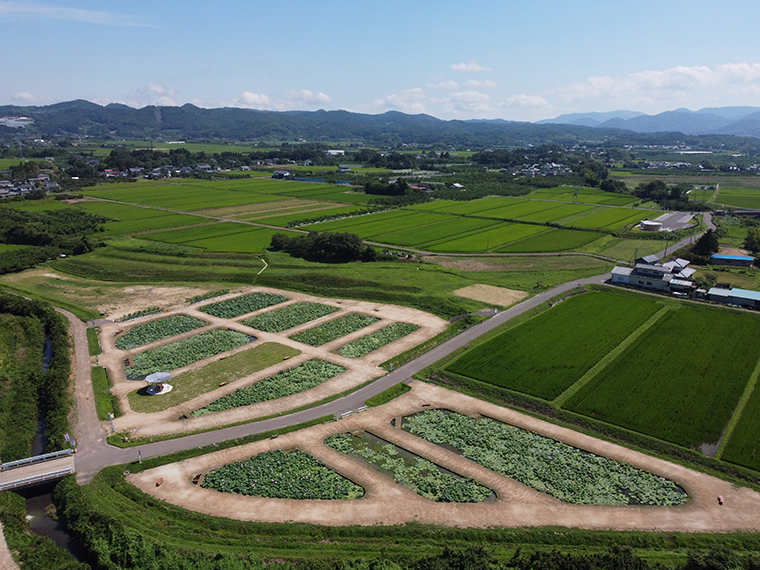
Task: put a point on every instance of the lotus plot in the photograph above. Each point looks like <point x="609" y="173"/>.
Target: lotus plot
<point x="288" y="317"/>
<point x="547" y="465"/>
<point x="231" y="308"/>
<point x="285" y="383"/>
<point x="336" y="328"/>
<point x="157" y="330"/>
<point x="375" y="340"/>
<point x="184" y="352"/>
<point x="282" y="475"/>
<point x="411" y="471"/>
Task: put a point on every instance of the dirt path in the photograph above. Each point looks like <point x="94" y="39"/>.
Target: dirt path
<point x="6" y="560"/>
<point x="517" y="505"/>
<point x="358" y="370"/>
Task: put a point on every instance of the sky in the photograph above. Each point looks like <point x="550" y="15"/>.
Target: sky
<point x="487" y="59"/>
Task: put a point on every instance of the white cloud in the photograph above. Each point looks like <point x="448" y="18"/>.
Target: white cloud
<point x="257" y="100"/>
<point x="306" y="97"/>
<point x="411" y="101"/>
<point x="445" y="84"/>
<point x="480" y="84"/>
<point x="526" y="101"/>
<point x="674" y="84"/>
<point x="469" y="103"/>
<point x="471" y="65"/>
<point x="31" y="99"/>
<point x="37" y="11"/>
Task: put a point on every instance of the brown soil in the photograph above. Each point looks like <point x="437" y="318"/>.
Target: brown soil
<point x="491" y="294"/>
<point x="137" y="297"/>
<point x="733" y="251"/>
<point x="358" y="370"/>
<point x="517" y="505"/>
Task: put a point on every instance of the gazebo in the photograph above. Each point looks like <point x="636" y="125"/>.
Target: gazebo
<point x="158" y="383"/>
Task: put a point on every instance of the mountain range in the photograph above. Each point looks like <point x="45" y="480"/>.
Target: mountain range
<point x="739" y="121"/>
<point x="706" y="128"/>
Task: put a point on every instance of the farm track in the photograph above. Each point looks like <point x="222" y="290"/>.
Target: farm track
<point x="94" y="453"/>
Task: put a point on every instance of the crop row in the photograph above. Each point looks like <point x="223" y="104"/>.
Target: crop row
<point x="418" y="474"/>
<point x="282" y="475"/>
<point x="547" y="465"/>
<point x="375" y="340"/>
<point x="157" y="330"/>
<point x="184" y="352"/>
<point x="680" y="381"/>
<point x="288" y="317"/>
<point x="568" y="342"/>
<point x="284" y="383"/>
<point x="231" y="308"/>
<point x="336" y="328"/>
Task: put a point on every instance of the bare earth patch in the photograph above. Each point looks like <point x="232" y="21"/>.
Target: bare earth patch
<point x="733" y="251"/>
<point x="139" y="297"/>
<point x="491" y="294"/>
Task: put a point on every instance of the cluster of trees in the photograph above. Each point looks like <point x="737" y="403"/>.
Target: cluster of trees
<point x="37" y="392"/>
<point x="668" y="196"/>
<point x="752" y="241"/>
<point x="324" y="247"/>
<point x="398" y="187"/>
<point x="53" y="233"/>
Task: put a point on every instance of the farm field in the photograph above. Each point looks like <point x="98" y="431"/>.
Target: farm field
<point x="587" y="195"/>
<point x="373" y="341"/>
<point x="569" y="343"/>
<point x="222" y="237"/>
<point x="744" y="446"/>
<point x="156" y="330"/>
<point x="288" y="317"/>
<point x="544" y="464"/>
<point x="334" y="329"/>
<point x="418" y="474"/>
<point x="282" y="475"/>
<point x="193" y="383"/>
<point x="739" y="197"/>
<point x="183" y="352"/>
<point x="551" y="240"/>
<point x="680" y="381"/>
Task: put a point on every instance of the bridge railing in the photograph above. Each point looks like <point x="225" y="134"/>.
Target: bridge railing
<point x="36" y="479"/>
<point x="35" y="459"/>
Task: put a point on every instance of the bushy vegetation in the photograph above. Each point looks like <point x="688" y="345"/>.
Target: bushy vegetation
<point x="336" y="328"/>
<point x="373" y="341"/>
<point x="418" y="474"/>
<point x="184" y="352"/>
<point x="288" y="317"/>
<point x="157" y="330"/>
<point x="237" y="306"/>
<point x="52" y="233"/>
<point x="282" y="475"/>
<point x="38" y="393"/>
<point x="324" y="247"/>
<point x="291" y="381"/>
<point x="547" y="465"/>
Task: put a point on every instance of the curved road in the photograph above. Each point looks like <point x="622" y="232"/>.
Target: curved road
<point x="94" y="453"/>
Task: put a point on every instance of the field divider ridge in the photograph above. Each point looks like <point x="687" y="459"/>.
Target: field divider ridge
<point x="592" y="372"/>
<point x="738" y="411"/>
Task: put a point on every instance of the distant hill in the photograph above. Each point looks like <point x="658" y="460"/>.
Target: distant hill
<point x="188" y="122"/>
<point x="739" y="121"/>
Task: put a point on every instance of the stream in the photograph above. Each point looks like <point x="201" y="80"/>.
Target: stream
<point x="40" y="497"/>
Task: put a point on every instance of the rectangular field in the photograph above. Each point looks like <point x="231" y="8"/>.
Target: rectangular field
<point x="739" y="198"/>
<point x="744" y="446"/>
<point x="680" y="381"/>
<point x="547" y="354"/>
<point x="551" y="240"/>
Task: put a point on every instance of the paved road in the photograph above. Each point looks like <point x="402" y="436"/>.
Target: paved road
<point x="93" y="453"/>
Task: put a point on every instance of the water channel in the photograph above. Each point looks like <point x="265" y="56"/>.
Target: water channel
<point x="39" y="498"/>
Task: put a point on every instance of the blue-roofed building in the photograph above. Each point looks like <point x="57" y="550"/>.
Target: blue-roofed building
<point x="733" y="260"/>
<point x="741" y="297"/>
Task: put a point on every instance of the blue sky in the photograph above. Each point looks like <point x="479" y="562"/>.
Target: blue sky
<point x="525" y="60"/>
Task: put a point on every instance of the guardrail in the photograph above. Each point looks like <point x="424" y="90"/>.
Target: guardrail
<point x="35" y="459"/>
<point x="36" y="479"/>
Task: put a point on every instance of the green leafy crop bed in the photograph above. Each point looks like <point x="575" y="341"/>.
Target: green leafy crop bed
<point x="547" y="465"/>
<point x="282" y="475"/>
<point x="336" y="328"/>
<point x="375" y="340"/>
<point x="416" y="473"/>
<point x="184" y="352"/>
<point x="231" y="308"/>
<point x="288" y="317"/>
<point x="156" y="330"/>
<point x="285" y="383"/>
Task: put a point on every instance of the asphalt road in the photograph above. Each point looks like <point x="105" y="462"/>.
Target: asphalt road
<point x="94" y="453"/>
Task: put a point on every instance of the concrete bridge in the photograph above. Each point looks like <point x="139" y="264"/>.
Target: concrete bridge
<point x="36" y="470"/>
